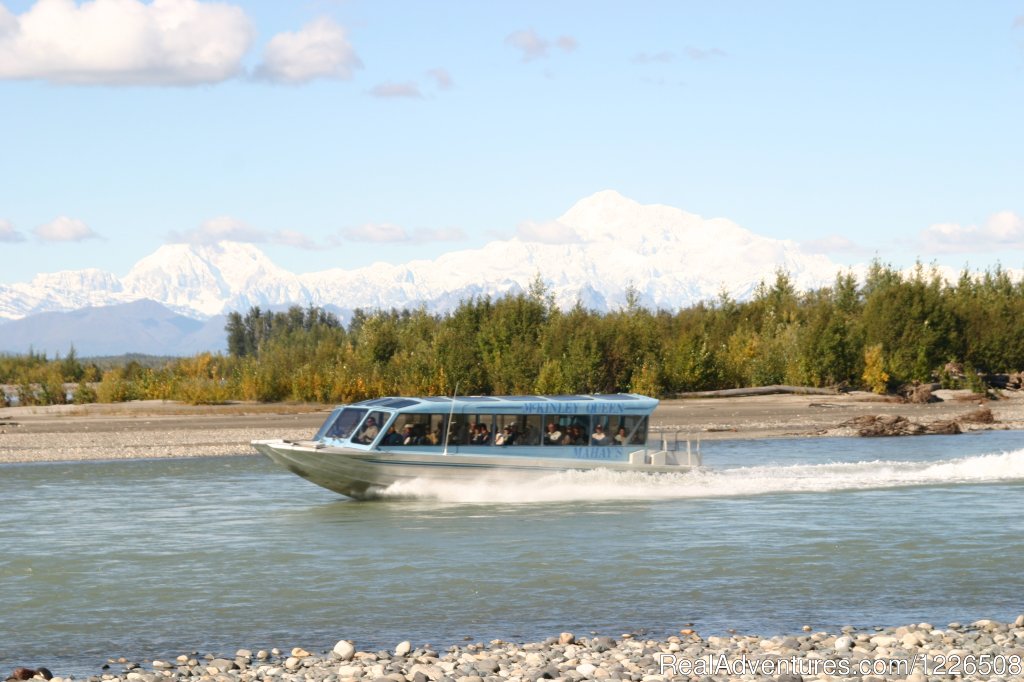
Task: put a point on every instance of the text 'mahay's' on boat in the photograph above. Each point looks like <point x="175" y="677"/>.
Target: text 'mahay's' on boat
<point x="364" y="448"/>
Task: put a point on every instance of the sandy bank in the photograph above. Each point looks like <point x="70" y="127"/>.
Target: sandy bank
<point x="168" y="429"/>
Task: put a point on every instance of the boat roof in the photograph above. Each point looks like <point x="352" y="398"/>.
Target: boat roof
<point x="607" y="403"/>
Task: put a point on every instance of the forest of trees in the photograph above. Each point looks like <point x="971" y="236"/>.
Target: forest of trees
<point x="889" y="330"/>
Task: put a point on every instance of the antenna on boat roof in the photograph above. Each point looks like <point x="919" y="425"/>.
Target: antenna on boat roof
<point x="451" y="413"/>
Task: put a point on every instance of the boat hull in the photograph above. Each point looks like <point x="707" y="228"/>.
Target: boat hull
<point x="362" y="474"/>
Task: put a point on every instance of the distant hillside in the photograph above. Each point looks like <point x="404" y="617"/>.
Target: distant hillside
<point x="138" y="327"/>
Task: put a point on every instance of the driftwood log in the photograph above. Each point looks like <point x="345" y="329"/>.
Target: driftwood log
<point x="758" y="390"/>
<point x="870" y="425"/>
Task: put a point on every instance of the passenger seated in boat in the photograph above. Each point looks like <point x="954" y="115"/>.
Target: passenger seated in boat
<point x="504" y="438"/>
<point x="392" y="437"/>
<point x="553" y="435"/>
<point x="599" y="437"/>
<point x="482" y="435"/>
<point x="408" y="435"/>
<point x="370" y="431"/>
<point x="620" y="436"/>
<point x="458" y="433"/>
<point x="576" y="436"/>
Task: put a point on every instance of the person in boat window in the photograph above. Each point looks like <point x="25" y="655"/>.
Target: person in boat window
<point x="482" y="435"/>
<point x="391" y="437"/>
<point x="553" y="436"/>
<point x="370" y="431"/>
<point x="504" y="438"/>
<point x="408" y="436"/>
<point x="599" y="437"/>
<point x="576" y="436"/>
<point x="621" y="437"/>
<point x="530" y="435"/>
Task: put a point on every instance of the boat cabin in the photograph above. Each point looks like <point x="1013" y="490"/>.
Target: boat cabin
<point x="471" y="423"/>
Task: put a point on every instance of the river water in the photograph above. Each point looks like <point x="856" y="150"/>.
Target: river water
<point x="150" y="559"/>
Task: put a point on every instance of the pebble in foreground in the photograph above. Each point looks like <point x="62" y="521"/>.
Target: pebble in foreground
<point x="984" y="650"/>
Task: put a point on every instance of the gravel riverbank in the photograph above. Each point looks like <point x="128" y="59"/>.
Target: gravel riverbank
<point x="146" y="429"/>
<point x="983" y="650"/>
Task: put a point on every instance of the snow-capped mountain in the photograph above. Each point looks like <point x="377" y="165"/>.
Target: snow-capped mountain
<point x="603" y="245"/>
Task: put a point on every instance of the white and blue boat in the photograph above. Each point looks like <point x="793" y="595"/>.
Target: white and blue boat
<point x="364" y="448"/>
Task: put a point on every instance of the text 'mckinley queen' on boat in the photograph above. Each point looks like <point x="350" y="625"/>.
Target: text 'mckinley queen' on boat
<point x="363" y="448"/>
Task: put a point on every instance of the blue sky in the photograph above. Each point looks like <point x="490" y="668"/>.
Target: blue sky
<point x="334" y="134"/>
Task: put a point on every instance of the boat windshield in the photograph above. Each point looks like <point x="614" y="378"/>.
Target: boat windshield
<point x="345" y="422"/>
<point x="369" y="429"/>
<point x="327" y="423"/>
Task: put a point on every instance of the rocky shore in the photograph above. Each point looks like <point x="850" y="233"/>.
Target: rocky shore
<point x="983" y="650"/>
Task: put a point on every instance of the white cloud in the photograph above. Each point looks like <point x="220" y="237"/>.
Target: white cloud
<point x="391" y="233"/>
<point x="65" y="229"/>
<point x="567" y="43"/>
<point x="663" y="57"/>
<point x="535" y="47"/>
<point x="442" y="79"/>
<point x="124" y="42"/>
<point x="833" y="243"/>
<point x="407" y="89"/>
<point x="226" y="228"/>
<point x="549" y="232"/>
<point x="7" y="231"/>
<point x="666" y="56"/>
<point x="699" y="53"/>
<point x="1003" y="230"/>
<point x="441" y="234"/>
<point x="221" y="228"/>
<point x="320" y="49"/>
<point x="376" y="232"/>
<point x="293" y="238"/>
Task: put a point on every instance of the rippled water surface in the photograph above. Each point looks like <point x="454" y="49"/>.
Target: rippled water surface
<point x="153" y="558"/>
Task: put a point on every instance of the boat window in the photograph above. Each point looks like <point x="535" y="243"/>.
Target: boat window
<point x="373" y="401"/>
<point x="502" y="429"/>
<point x="554" y="430"/>
<point x="460" y="429"/>
<point x="346" y="422"/>
<point x="628" y="430"/>
<point x="421" y="429"/>
<point x="530" y="428"/>
<point x="577" y="430"/>
<point x="601" y="431"/>
<point x="569" y="429"/>
<point x="518" y="429"/>
<point x="327" y="423"/>
<point x="471" y="429"/>
<point x="370" y="427"/>
<point x="397" y="403"/>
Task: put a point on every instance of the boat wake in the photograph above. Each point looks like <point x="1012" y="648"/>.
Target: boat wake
<point x="711" y="483"/>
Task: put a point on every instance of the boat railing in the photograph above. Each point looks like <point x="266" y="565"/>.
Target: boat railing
<point x="674" y="446"/>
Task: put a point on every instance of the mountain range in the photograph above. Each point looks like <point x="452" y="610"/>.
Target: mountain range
<point x="172" y="301"/>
